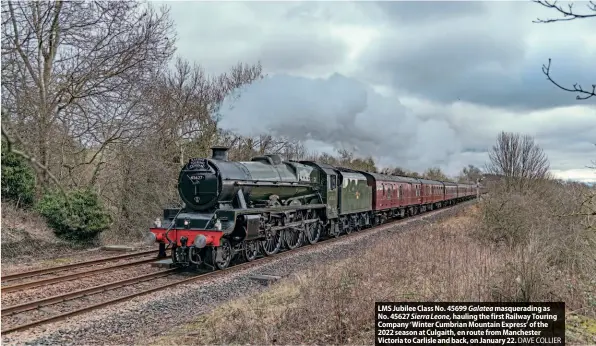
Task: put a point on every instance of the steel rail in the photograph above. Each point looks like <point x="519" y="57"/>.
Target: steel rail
<point x="84" y="292"/>
<point x="69" y="277"/>
<point x="73" y="265"/>
<point x="210" y="275"/>
<point x="205" y="276"/>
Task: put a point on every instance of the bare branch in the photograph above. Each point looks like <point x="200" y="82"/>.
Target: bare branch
<point x="76" y="68"/>
<point x="584" y="94"/>
<point x="567" y="14"/>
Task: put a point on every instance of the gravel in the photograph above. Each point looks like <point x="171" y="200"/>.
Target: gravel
<point x="145" y="317"/>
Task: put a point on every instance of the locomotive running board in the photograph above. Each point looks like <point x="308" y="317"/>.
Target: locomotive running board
<point x="259" y="183"/>
<point x="278" y="209"/>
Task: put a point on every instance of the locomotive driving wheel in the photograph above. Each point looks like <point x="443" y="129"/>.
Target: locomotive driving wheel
<point x="272" y="242"/>
<point x="313" y="230"/>
<point x="293" y="235"/>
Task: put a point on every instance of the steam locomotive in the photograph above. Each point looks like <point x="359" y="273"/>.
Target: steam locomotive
<point x="238" y="210"/>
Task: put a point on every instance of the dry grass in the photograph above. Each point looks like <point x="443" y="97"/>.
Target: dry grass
<point x="28" y="240"/>
<point x="445" y="261"/>
<point x="26" y="236"/>
<point x="332" y="304"/>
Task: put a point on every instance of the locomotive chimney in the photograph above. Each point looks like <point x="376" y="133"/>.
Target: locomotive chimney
<point x="220" y="153"/>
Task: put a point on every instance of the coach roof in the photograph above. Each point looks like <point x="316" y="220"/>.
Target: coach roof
<point x="430" y="182"/>
<point x="394" y="178"/>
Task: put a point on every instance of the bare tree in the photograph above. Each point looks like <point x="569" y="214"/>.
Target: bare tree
<point x="394" y="171"/>
<point x="71" y="70"/>
<point x="180" y="109"/>
<point x="568" y="14"/>
<point x="184" y="103"/>
<point x="470" y="173"/>
<point x="518" y="158"/>
<point x="435" y="173"/>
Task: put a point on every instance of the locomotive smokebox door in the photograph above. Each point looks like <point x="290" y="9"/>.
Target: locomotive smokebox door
<point x="198" y="184"/>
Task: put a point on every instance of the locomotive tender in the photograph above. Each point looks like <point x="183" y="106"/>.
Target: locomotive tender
<point x="240" y="209"/>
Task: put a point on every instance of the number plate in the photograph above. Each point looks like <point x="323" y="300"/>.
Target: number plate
<point x="196" y="177"/>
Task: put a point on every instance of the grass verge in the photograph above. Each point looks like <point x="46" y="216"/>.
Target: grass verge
<point x="444" y="261"/>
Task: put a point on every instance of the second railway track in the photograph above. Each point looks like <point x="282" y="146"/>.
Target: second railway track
<point x="57" y="269"/>
<point x="69" y="277"/>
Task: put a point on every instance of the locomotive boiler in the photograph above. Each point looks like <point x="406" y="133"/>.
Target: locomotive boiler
<point x="210" y="184"/>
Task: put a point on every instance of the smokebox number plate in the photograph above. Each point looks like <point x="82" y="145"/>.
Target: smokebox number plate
<point x="195" y="178"/>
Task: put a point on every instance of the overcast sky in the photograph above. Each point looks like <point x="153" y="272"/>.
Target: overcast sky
<point x="414" y="84"/>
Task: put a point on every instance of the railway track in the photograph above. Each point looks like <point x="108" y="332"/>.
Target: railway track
<point x="69" y="277"/>
<point x="60" y="307"/>
<point x="54" y="270"/>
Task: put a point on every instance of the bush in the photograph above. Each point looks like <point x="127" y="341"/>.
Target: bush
<point x="18" y="179"/>
<point x="83" y="220"/>
<point x="546" y="230"/>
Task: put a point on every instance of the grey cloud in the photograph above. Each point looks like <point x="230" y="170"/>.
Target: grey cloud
<point x="341" y="112"/>
<point x="480" y="70"/>
<point x="485" y="53"/>
<point x="479" y="60"/>
<point x="218" y="35"/>
<point x="300" y="50"/>
<point x="424" y="11"/>
<point x="566" y="134"/>
<point x="309" y="11"/>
